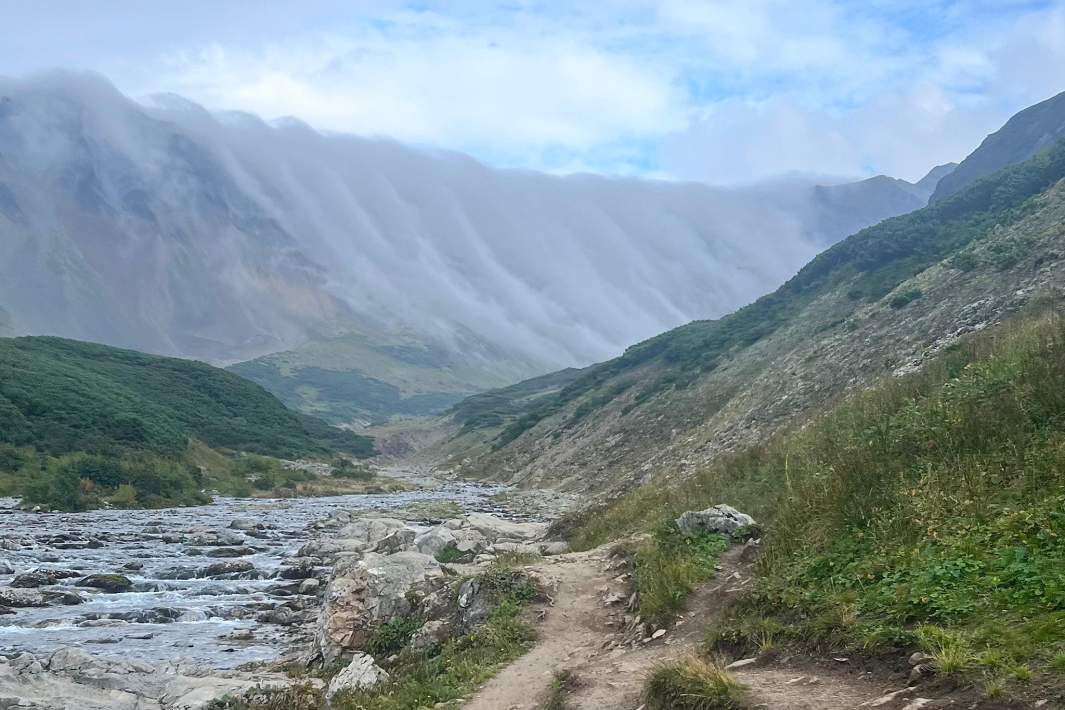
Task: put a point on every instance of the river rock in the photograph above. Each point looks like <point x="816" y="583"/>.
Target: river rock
<point x="244" y="524"/>
<point x="19" y="598"/>
<point x="496" y="529"/>
<point x="361" y="673"/>
<point x="5" y="568"/>
<point x="435" y="541"/>
<point x="396" y="541"/>
<point x="228" y="567"/>
<point x="300" y="568"/>
<point x="723" y="519"/>
<point x="107" y="583"/>
<point x="230" y="552"/>
<point x="309" y="586"/>
<point x="366" y="593"/>
<point x="42" y="577"/>
<point x="71" y="678"/>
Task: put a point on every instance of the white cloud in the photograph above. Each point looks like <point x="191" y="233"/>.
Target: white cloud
<point x="496" y="90"/>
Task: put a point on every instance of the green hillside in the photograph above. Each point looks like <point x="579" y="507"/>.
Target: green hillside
<point x="62" y="395"/>
<point x="922" y="514"/>
<point x="81" y="423"/>
<point x="877" y="301"/>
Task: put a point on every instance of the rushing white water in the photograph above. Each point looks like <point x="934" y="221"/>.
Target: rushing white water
<point x="163" y="618"/>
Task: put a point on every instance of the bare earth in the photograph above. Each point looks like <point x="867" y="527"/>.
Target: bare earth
<point x="583" y="631"/>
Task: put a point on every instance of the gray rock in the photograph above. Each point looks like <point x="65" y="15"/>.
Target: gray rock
<point x="496" y="529"/>
<point x="434" y="541"/>
<point x="42" y="577"/>
<point x="558" y="547"/>
<point x="368" y="592"/>
<point x="108" y="583"/>
<point x="19" y="598"/>
<point x="431" y="634"/>
<point x="309" y="586"/>
<point x="396" y="541"/>
<point x="723" y="519"/>
<point x="361" y="673"/>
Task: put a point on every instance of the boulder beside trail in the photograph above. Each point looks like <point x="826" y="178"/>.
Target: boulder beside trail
<point x="723" y="519"/>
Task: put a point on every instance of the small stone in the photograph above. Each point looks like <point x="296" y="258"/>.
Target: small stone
<point x="742" y="663"/>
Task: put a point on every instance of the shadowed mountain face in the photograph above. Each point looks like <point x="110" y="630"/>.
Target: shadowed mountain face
<point x="170" y="230"/>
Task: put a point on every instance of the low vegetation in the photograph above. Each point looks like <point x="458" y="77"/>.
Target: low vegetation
<point x="453" y="670"/>
<point x="562" y="687"/>
<point x="667" y="567"/>
<point x="84" y="425"/>
<point x="692" y="683"/>
<point x="925" y="513"/>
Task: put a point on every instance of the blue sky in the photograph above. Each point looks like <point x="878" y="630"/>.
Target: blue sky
<point x="723" y="91"/>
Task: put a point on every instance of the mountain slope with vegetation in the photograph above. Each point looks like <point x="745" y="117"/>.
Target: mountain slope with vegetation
<point x="360" y="378"/>
<point x="880" y="301"/>
<point x="922" y="514"/>
<point x="73" y="411"/>
<point x="1032" y="130"/>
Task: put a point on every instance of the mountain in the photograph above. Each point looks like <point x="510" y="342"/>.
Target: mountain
<point x="1025" y="134"/>
<point x="841" y="210"/>
<point x="362" y="379"/>
<point x="167" y="229"/>
<point x="879" y="302"/>
<point x="60" y="396"/>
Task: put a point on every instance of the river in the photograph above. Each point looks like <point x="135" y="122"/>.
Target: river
<point x="209" y="620"/>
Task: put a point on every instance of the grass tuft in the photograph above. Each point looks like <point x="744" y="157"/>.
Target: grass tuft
<point x="692" y="683"/>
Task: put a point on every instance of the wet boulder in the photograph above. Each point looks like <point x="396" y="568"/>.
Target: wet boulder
<point x="42" y="577"/>
<point x="20" y="598"/>
<point x="228" y="567"/>
<point x="107" y="583"/>
<point x="230" y="552"/>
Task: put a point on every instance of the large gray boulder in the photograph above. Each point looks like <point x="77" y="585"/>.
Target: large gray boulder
<point x="361" y="673"/>
<point x="366" y="593"/>
<point x="723" y="519"/>
<point x="496" y="529"/>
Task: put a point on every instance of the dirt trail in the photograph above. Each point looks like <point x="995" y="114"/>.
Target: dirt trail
<point x="584" y="632"/>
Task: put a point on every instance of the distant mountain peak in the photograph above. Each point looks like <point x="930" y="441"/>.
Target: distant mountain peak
<point x="1034" y="129"/>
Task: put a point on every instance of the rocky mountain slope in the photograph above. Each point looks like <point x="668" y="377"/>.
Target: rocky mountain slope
<point x="170" y="230"/>
<point x="879" y="302"/>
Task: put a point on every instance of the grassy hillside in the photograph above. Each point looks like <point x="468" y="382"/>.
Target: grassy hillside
<point x="924" y="513"/>
<point x="63" y="395"/>
<point x="73" y="411"/>
<point x="880" y="300"/>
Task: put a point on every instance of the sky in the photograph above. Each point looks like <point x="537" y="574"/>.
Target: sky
<point x="718" y="91"/>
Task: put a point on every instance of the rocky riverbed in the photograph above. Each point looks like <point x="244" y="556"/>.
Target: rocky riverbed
<point x="174" y="601"/>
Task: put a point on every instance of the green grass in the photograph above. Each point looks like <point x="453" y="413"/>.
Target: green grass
<point x="692" y="683"/>
<point x="927" y="512"/>
<point x="668" y="567"/>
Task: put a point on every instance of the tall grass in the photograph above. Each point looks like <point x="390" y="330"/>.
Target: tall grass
<point x="937" y="498"/>
<point x="692" y="683"/>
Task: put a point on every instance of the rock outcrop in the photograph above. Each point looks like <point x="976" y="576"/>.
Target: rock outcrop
<point x="365" y="593"/>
